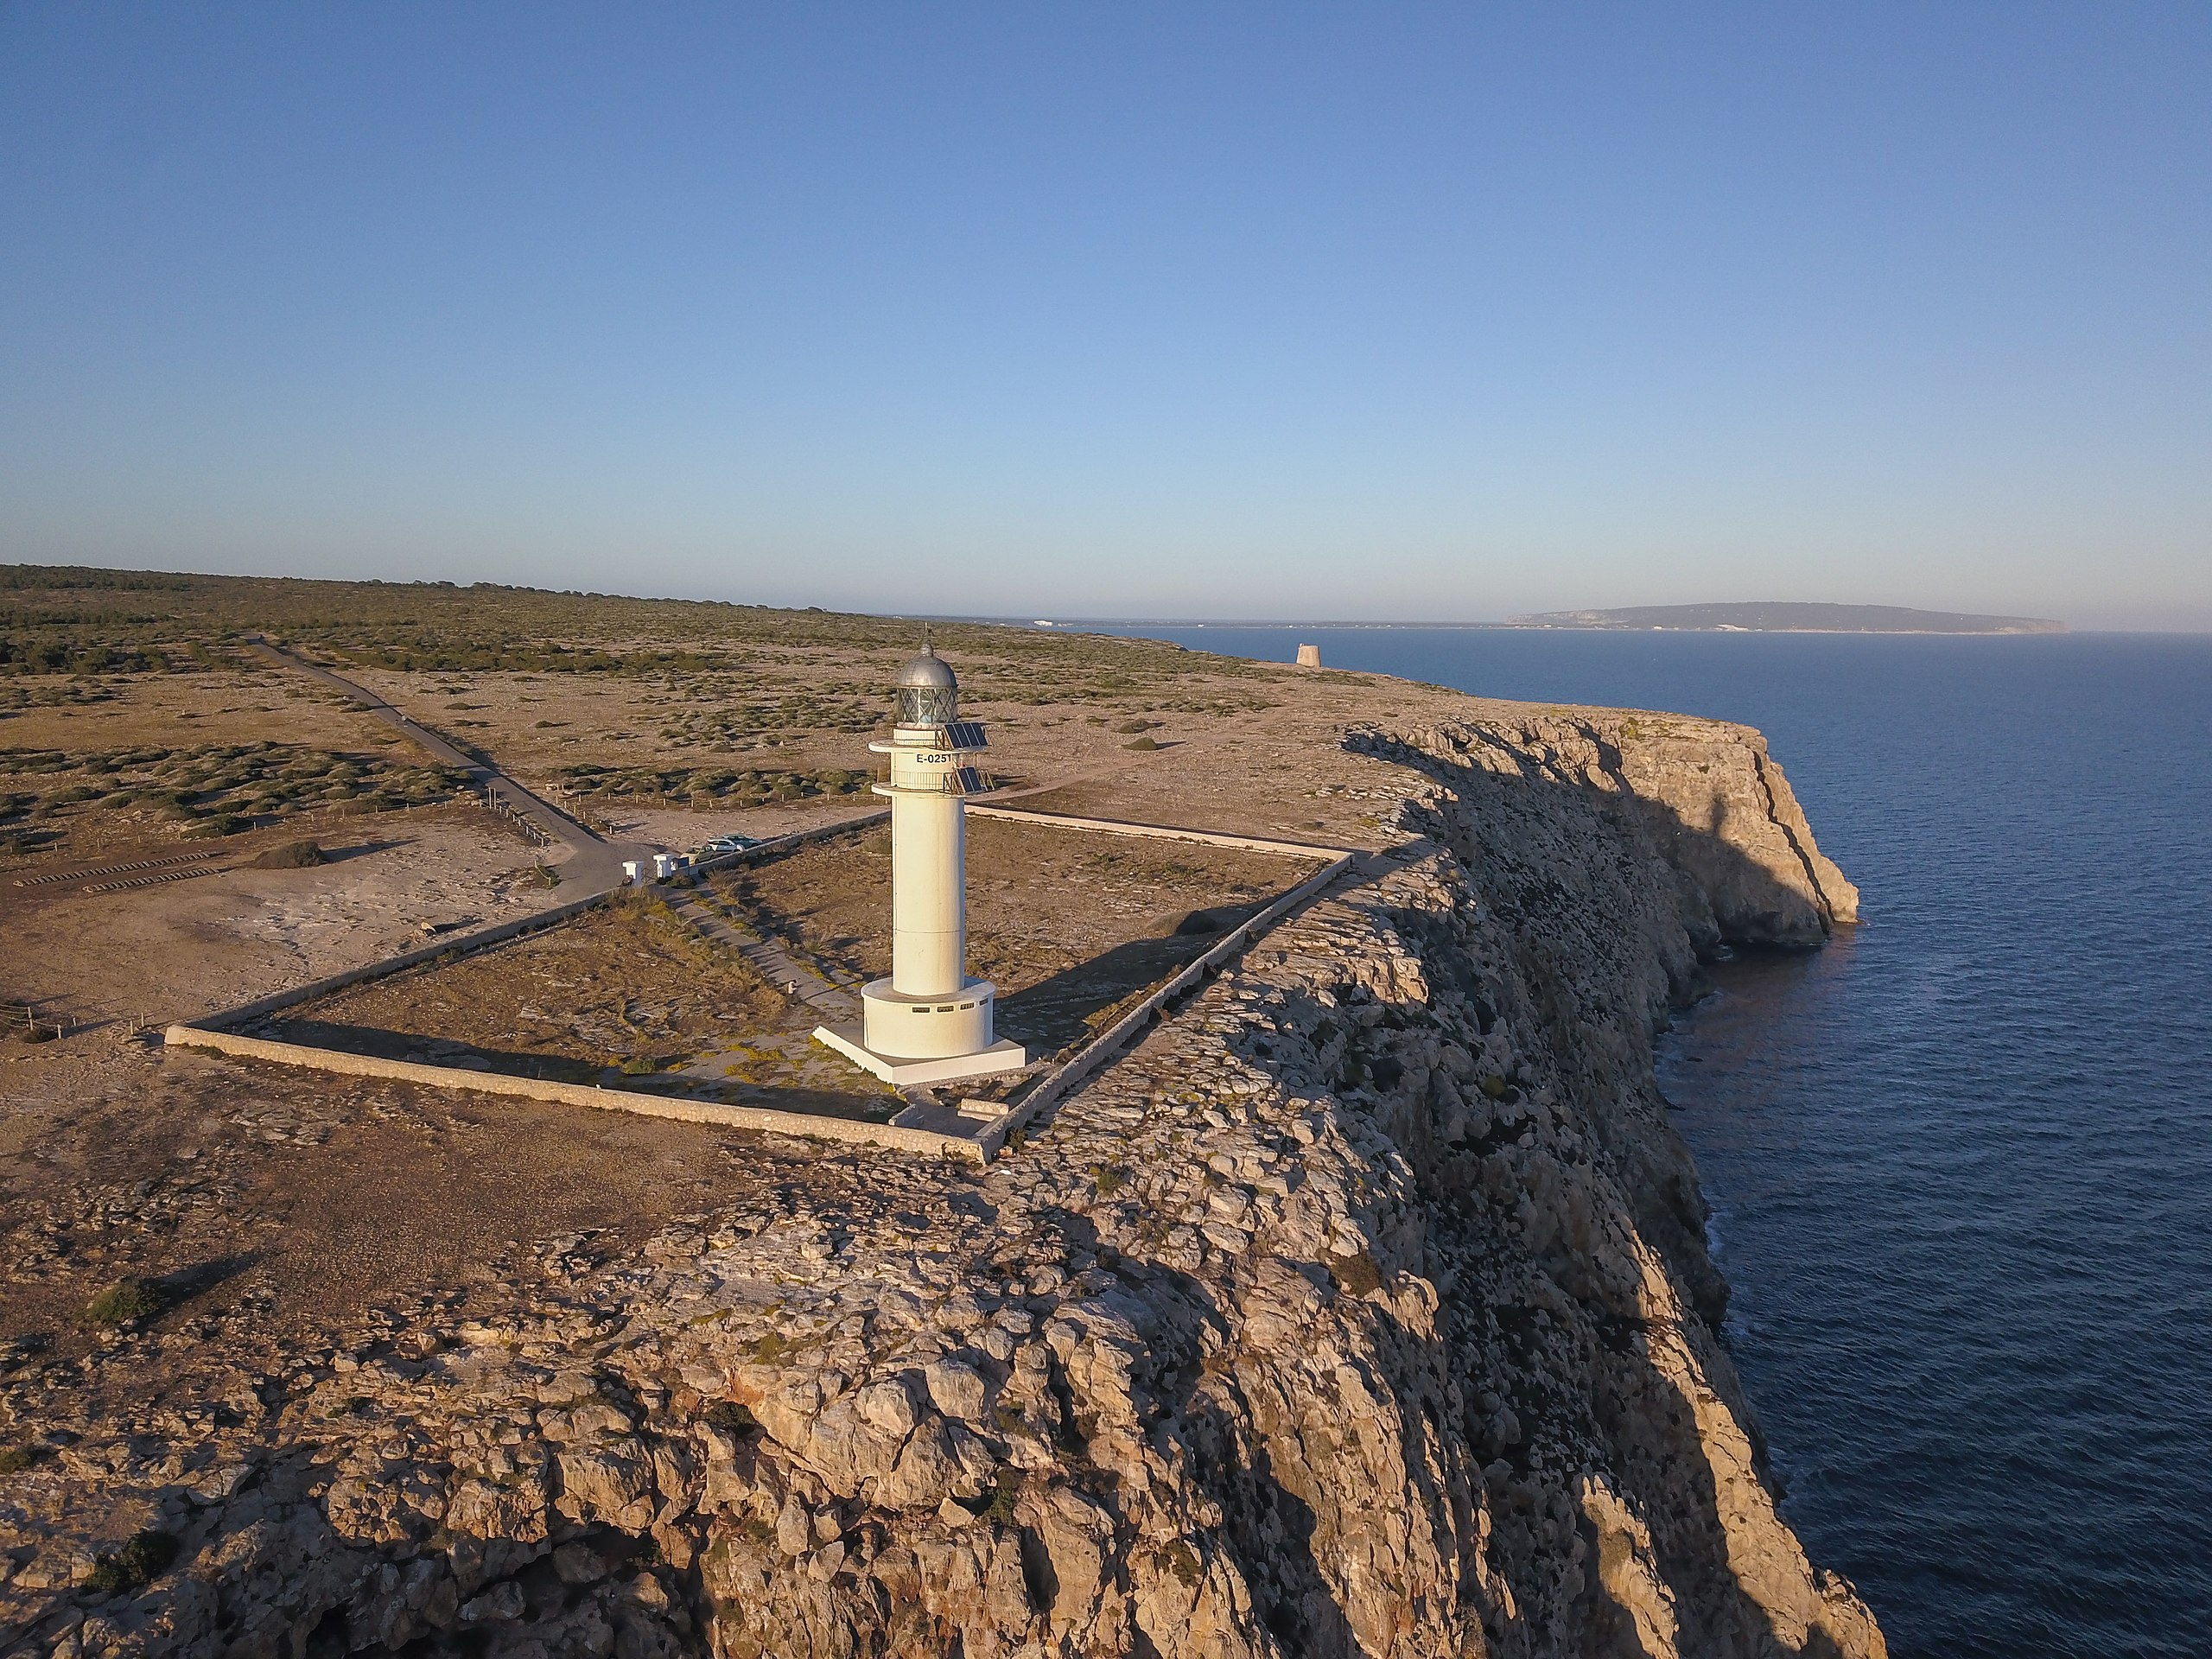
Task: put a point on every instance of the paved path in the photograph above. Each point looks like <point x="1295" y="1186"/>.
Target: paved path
<point x="768" y="959"/>
<point x="593" y="865"/>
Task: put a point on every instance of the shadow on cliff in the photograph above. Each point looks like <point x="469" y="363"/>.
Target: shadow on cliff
<point x="1581" y="936"/>
<point x="1549" y="854"/>
<point x="1726" y="897"/>
<point x="1570" y="1383"/>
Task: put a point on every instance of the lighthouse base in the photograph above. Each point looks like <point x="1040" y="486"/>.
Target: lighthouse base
<point x="900" y="1073"/>
<point x="910" y="1040"/>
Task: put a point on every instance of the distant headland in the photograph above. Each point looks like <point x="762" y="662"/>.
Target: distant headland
<point x="1779" y="617"/>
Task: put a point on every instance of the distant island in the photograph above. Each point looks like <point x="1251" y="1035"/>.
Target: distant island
<point x="1783" y="617"/>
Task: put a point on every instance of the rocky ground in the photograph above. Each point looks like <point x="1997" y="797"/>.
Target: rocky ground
<point x="1361" y="1309"/>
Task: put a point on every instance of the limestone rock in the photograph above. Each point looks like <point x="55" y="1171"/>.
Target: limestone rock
<point x="955" y="1389"/>
<point x="1362" y="1309"/>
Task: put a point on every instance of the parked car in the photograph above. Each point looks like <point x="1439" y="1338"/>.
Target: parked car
<point x="721" y="844"/>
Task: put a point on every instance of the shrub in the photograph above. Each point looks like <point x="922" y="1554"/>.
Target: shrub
<point x="1355" y="1276"/>
<point x="123" y="1302"/>
<point x="16" y="1458"/>
<point x="137" y="1562"/>
<point x="1003" y="1496"/>
<point x="1183" y="1561"/>
<point x="293" y="855"/>
<point x="733" y="1418"/>
<point x="1141" y="743"/>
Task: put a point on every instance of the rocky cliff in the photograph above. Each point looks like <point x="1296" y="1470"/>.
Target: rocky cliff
<point x="1362" y="1309"/>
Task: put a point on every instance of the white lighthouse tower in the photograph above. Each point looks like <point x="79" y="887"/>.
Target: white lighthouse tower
<point x="929" y="1022"/>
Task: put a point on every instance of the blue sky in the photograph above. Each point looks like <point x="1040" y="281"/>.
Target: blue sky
<point x="1297" y="310"/>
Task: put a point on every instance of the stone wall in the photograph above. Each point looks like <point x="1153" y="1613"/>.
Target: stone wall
<point x="809" y="1125"/>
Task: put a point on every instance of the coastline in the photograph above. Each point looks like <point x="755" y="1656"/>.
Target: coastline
<point x="1362" y="1307"/>
<point x="1115" y="624"/>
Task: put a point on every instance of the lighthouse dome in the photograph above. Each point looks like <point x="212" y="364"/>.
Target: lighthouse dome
<point x="928" y="669"/>
<point x="928" y="693"/>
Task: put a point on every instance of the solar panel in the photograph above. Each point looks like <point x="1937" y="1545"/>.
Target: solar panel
<point x="971" y="781"/>
<point x="965" y="735"/>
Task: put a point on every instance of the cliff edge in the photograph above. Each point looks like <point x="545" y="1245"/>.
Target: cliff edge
<point x="1362" y="1309"/>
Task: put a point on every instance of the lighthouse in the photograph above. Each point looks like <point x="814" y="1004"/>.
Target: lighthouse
<point x="929" y="1022"/>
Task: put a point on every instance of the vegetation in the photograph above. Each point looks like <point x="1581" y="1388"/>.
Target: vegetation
<point x="140" y="1561"/>
<point x="732" y="1419"/>
<point x="1183" y="1561"/>
<point x="1004" y="1495"/>
<point x="702" y="785"/>
<point x="292" y="856"/>
<point x="72" y="693"/>
<point x="70" y="619"/>
<point x="215" y="789"/>
<point x="436" y="655"/>
<point x="742" y="716"/>
<point x="125" y="1302"/>
<point x="1355" y="1276"/>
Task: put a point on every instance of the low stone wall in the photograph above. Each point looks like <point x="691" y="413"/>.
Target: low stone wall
<point x="779" y="844"/>
<point x="803" y="1125"/>
<point x="484" y="938"/>
<point x="1159" y="832"/>
<point x="464" y="946"/>
<point x="217" y="1032"/>
<point x="1087" y="1062"/>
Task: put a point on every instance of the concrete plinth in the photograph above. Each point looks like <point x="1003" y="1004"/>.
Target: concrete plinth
<point x="901" y="1071"/>
<point x="933" y="1028"/>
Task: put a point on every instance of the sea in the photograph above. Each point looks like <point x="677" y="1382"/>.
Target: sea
<point x="1959" y="1160"/>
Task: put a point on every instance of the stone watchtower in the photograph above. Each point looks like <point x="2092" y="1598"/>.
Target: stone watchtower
<point x="929" y="1022"/>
